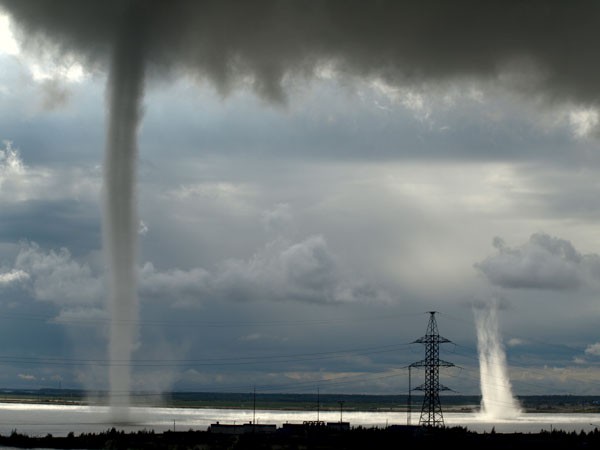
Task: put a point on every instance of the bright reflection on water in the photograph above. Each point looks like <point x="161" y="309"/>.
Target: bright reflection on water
<point x="59" y="420"/>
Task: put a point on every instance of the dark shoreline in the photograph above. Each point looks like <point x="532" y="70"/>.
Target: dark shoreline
<point x="313" y="437"/>
<point x="298" y="402"/>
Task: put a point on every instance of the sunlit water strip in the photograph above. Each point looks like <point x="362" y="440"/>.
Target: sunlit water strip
<point x="59" y="420"/>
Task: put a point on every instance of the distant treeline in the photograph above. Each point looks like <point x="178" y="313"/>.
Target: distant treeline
<point x="314" y="438"/>
<point x="246" y="400"/>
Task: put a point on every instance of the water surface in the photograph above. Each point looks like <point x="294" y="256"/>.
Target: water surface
<point x="59" y="420"/>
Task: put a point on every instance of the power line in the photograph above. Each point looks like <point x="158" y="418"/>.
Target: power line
<point x="243" y="360"/>
<point x="201" y="323"/>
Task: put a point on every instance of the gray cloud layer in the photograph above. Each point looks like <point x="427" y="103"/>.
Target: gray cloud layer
<point x="392" y="231"/>
<point x="401" y="42"/>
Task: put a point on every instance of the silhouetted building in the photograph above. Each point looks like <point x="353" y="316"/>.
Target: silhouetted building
<point x="242" y="428"/>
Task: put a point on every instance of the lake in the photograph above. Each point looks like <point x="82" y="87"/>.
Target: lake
<point x="59" y="420"/>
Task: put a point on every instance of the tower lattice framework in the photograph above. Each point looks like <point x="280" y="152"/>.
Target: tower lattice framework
<point x="431" y="412"/>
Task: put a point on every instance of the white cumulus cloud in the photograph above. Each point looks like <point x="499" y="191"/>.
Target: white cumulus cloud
<point x="12" y="276"/>
<point x="55" y="276"/>
<point x="544" y="262"/>
<point x="584" y="121"/>
<point x="593" y="349"/>
<point x="20" y="182"/>
<point x="303" y="271"/>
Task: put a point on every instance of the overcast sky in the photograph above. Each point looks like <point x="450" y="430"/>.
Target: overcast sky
<point x="306" y="194"/>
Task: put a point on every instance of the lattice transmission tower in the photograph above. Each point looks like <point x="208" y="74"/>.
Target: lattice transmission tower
<point x="431" y="412"/>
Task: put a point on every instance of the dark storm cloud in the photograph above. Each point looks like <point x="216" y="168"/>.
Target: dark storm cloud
<point x="401" y="42"/>
<point x="544" y="262"/>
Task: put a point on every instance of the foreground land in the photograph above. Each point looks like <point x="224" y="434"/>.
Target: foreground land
<point x="313" y="437"/>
